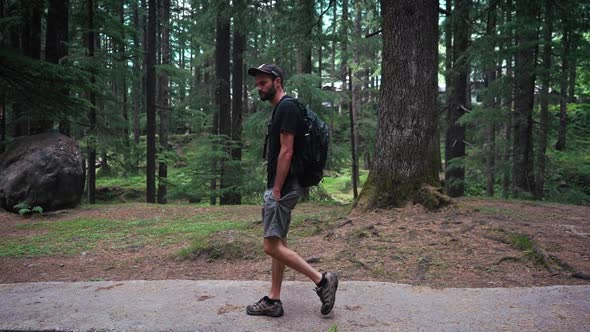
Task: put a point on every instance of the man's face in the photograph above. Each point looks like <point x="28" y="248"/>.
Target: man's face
<point x="265" y="84"/>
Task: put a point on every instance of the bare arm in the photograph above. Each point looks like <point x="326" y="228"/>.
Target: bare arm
<point x="283" y="163"/>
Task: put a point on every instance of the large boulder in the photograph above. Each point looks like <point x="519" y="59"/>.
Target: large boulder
<point x="45" y="170"/>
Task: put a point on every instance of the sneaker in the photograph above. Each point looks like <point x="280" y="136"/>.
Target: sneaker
<point x="264" y="308"/>
<point x="327" y="293"/>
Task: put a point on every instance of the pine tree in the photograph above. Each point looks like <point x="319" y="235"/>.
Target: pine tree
<point x="92" y="131"/>
<point x="544" y="96"/>
<point x="151" y="103"/>
<point x="522" y="171"/>
<point x="457" y="103"/>
<point x="405" y="164"/>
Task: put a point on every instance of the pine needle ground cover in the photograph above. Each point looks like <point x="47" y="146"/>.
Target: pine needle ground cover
<point x="472" y="243"/>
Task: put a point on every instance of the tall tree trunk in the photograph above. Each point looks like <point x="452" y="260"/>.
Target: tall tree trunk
<point x="490" y="103"/>
<point x="455" y="135"/>
<point x="151" y="103"/>
<point x="92" y="132"/>
<point x="334" y="74"/>
<point x="353" y="135"/>
<point x="574" y="42"/>
<point x="3" y="44"/>
<point x="304" y="64"/>
<point x="2" y="122"/>
<point x="32" y="37"/>
<point x="321" y="42"/>
<point x="344" y="43"/>
<point x="544" y="116"/>
<point x="123" y="76"/>
<point x="144" y="23"/>
<point x="30" y="45"/>
<point x="566" y="41"/>
<point x="448" y="26"/>
<point x="239" y="45"/>
<point x="405" y="152"/>
<point x="356" y="98"/>
<point x="41" y="122"/>
<point x="222" y="94"/>
<point x="507" y="175"/>
<point x="56" y="43"/>
<point x="137" y="74"/>
<point x="522" y="172"/>
<point x="165" y="102"/>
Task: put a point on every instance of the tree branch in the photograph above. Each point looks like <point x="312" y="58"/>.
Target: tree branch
<point x="319" y="19"/>
<point x="372" y="34"/>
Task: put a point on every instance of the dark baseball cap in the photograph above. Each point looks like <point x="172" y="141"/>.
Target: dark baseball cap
<point x="264" y="68"/>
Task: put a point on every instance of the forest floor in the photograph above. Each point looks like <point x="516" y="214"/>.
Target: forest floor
<point x="471" y="243"/>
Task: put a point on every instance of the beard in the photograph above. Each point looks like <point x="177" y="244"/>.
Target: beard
<point x="268" y="95"/>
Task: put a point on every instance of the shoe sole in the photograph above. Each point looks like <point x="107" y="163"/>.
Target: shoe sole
<point x="269" y="314"/>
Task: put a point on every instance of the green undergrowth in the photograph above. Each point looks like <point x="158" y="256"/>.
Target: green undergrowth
<point x="339" y="185"/>
<point x="230" y="244"/>
<point x="246" y="243"/>
<point x="210" y="229"/>
<point x="531" y="252"/>
<point x="73" y="237"/>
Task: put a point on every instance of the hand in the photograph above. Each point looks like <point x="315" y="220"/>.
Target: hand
<point x="276" y="194"/>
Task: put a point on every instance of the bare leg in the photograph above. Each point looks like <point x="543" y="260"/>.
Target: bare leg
<point x="278" y="270"/>
<point x="277" y="249"/>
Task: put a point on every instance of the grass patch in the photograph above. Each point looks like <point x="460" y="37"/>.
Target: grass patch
<point x="229" y="244"/>
<point x="521" y="241"/>
<point x="43" y="236"/>
<point x="531" y="251"/>
<point x="339" y="186"/>
<point x="71" y="237"/>
<point x="505" y="212"/>
<point x="135" y="181"/>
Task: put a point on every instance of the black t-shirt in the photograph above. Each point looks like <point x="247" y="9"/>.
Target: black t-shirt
<point x="288" y="118"/>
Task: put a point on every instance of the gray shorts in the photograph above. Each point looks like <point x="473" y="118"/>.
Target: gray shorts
<point x="276" y="215"/>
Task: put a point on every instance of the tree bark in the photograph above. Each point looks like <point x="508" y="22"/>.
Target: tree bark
<point x="56" y="42"/>
<point x="509" y="43"/>
<point x="222" y="92"/>
<point x="304" y="64"/>
<point x="3" y="44"/>
<point x="574" y="42"/>
<point x="351" y="113"/>
<point x="32" y="27"/>
<point x="239" y="44"/>
<point x="354" y="87"/>
<point x="455" y="134"/>
<point x="404" y="165"/>
<point x="544" y="114"/>
<point x="344" y="43"/>
<point x="522" y="171"/>
<point x="41" y="123"/>
<point x="137" y="74"/>
<point x="123" y="75"/>
<point x="321" y="43"/>
<point x="92" y="132"/>
<point x="560" y="145"/>
<point x="448" y="26"/>
<point x="2" y="122"/>
<point x="491" y="104"/>
<point x="151" y="104"/>
<point x="165" y="102"/>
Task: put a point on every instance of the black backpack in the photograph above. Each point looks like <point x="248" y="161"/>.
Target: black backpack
<point x="308" y="165"/>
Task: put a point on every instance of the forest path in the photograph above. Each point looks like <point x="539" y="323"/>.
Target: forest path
<point x="182" y="305"/>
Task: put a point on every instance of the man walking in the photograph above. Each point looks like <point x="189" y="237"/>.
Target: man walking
<point x="285" y="140"/>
